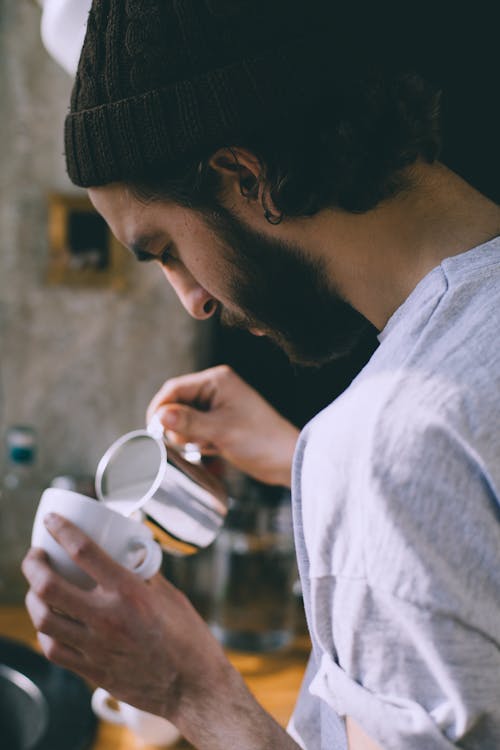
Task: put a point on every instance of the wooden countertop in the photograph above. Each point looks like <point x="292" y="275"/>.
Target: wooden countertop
<point x="273" y="678"/>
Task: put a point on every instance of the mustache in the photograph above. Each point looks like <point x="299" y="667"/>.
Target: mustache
<point x="230" y="319"/>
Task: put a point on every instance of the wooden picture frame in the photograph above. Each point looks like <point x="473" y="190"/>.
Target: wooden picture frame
<point x="82" y="249"/>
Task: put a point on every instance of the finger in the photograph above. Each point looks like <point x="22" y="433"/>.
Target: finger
<point x="60" y="653"/>
<point x="84" y="551"/>
<point x="196" y="388"/>
<point x="189" y="425"/>
<point x="184" y="389"/>
<point x="52" y="588"/>
<point x="68" y="631"/>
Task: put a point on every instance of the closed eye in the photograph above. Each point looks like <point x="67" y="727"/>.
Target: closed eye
<point x="144" y="257"/>
<point x="166" y="255"/>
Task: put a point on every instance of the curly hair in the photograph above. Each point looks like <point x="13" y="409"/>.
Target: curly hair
<point x="349" y="149"/>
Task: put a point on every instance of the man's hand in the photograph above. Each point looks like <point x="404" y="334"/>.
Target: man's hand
<point x="145" y="643"/>
<point x="224" y="415"/>
<point x="141" y="640"/>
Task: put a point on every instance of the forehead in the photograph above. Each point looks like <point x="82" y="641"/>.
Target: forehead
<point x="128" y="216"/>
<point x="121" y="209"/>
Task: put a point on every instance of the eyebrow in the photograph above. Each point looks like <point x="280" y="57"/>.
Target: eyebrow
<point x="140" y="247"/>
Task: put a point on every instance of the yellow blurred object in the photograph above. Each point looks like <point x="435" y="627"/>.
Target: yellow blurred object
<point x="274" y="678"/>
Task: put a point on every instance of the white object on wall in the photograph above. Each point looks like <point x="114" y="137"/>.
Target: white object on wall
<point x="63" y="27"/>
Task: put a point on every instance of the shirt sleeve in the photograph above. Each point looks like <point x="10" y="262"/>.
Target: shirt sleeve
<point x="411" y="678"/>
<point x="410" y="647"/>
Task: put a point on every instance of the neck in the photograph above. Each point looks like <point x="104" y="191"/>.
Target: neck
<point x="375" y="260"/>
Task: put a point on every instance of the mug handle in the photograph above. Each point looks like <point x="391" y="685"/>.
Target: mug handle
<point x="153" y="559"/>
<point x="101" y="707"/>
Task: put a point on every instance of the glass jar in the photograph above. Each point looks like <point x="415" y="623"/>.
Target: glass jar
<point x="252" y="605"/>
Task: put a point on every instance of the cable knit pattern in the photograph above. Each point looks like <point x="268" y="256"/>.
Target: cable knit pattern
<point x="159" y="79"/>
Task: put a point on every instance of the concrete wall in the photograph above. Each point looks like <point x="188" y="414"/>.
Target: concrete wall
<point x="78" y="364"/>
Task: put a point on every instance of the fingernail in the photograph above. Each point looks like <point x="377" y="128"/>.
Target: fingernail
<point x="50" y="520"/>
<point x="170" y="418"/>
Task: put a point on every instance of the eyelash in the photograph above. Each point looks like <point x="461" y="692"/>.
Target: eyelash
<point x="144" y="257"/>
<point x="165" y="257"/>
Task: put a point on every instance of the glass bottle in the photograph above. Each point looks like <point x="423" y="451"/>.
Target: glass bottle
<point x="254" y="570"/>
<point x="19" y="495"/>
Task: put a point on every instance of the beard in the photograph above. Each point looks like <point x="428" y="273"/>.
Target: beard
<point x="284" y="293"/>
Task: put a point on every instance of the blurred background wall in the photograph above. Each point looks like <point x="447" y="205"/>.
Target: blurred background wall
<point x="78" y="364"/>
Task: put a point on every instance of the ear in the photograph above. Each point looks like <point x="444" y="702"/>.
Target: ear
<point x="240" y="172"/>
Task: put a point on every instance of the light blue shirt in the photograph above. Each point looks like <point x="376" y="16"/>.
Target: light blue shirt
<point x="396" y="510"/>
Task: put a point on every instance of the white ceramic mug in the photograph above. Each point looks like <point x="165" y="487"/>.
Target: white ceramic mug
<point x="151" y="729"/>
<point x="127" y="541"/>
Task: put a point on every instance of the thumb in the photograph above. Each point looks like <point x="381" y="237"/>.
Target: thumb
<point x="191" y="425"/>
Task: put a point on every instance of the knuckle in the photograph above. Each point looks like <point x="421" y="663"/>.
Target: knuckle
<point x="31" y="558"/>
<point x="45" y="586"/>
<point x="42" y="618"/>
<point x="168" y="386"/>
<point x="81" y="548"/>
<point x="30" y="604"/>
<point x="25" y="566"/>
<point x="51" y="649"/>
<point x="224" y="371"/>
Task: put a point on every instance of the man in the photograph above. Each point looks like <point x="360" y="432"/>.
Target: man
<point x="292" y="186"/>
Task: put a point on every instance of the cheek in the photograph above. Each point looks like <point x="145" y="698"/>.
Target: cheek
<point x="204" y="254"/>
<point x="205" y="269"/>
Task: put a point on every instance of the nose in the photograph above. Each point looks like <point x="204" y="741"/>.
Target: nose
<point x="193" y="297"/>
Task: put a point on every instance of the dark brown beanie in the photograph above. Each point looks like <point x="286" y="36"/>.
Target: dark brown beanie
<point x="163" y="79"/>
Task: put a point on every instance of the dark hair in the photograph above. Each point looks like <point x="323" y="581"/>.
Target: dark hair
<point x="347" y="150"/>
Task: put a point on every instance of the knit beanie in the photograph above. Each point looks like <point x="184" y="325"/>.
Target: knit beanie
<point x="161" y="80"/>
